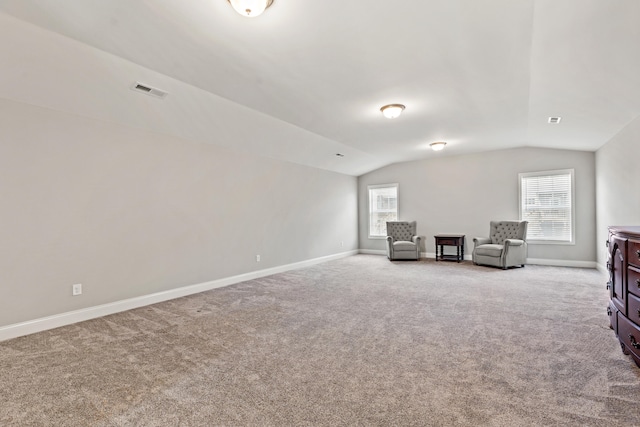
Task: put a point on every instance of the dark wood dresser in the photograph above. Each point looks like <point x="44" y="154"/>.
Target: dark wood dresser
<point x="623" y="265"/>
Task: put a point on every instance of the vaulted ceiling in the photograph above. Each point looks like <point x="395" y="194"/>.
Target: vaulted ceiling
<point x="305" y="80"/>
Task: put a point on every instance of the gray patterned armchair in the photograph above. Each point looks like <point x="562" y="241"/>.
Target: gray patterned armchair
<point x="507" y="246"/>
<point x="402" y="242"/>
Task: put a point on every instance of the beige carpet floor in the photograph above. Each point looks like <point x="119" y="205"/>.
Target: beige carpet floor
<point x="356" y="341"/>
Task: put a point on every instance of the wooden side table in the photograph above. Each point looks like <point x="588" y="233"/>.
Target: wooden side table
<point x="456" y="240"/>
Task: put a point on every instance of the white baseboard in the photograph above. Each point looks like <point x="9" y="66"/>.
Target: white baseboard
<point x="533" y="261"/>
<point x="42" y="324"/>
<point x="372" y="252"/>
<point x="561" y="262"/>
<point x="601" y="268"/>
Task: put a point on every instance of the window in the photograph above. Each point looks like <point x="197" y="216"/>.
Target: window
<point x="546" y="201"/>
<point x="383" y="207"/>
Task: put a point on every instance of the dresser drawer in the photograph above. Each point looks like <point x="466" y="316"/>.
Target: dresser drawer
<point x="629" y="336"/>
<point x="633" y="252"/>
<point x="448" y="241"/>
<point x="633" y="313"/>
<point x="633" y="280"/>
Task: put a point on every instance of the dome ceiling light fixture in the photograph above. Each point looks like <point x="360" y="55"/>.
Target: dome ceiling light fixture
<point x="437" y="146"/>
<point x="250" y="8"/>
<point x="392" y="111"/>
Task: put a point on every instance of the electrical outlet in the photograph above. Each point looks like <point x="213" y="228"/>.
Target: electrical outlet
<point x="76" y="289"/>
<point x="257" y="258"/>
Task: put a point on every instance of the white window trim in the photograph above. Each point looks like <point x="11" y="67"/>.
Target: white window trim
<point x="573" y="204"/>
<point x="371" y="187"/>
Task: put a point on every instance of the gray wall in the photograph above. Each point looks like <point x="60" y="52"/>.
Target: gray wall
<point x="618" y="184"/>
<point x="127" y="213"/>
<point x="461" y="194"/>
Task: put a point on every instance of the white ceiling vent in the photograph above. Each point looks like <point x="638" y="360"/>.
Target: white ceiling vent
<point x="151" y="91"/>
<point x="554" y="120"/>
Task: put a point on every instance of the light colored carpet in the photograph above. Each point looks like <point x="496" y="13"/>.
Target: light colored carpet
<point x="357" y="341"/>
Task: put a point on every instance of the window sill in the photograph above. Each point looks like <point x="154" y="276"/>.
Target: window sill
<point x="550" y="242"/>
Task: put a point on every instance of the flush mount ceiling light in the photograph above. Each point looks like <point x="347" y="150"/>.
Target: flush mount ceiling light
<point x="437" y="146"/>
<point x="250" y="8"/>
<point x="392" y="111"/>
<point x="554" y="120"/>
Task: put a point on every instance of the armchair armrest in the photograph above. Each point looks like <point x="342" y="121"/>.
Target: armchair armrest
<point x="513" y="242"/>
<point x="389" y="239"/>
<point x="416" y="239"/>
<point x="481" y="240"/>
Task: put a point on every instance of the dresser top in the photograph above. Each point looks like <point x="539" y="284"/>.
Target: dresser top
<point x="629" y="230"/>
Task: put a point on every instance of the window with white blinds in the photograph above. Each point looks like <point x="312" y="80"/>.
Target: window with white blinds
<point x="383" y="207"/>
<point x="547" y="202"/>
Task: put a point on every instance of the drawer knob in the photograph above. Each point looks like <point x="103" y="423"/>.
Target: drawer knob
<point x="609" y="285"/>
<point x="633" y="342"/>
<point x="609" y="311"/>
<point x="638" y="253"/>
<point x="638" y="282"/>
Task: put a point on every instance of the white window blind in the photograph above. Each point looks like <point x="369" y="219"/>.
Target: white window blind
<point x="546" y="201"/>
<point x="383" y="207"/>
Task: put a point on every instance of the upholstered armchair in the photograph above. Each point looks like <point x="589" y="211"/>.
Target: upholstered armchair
<point x="506" y="246"/>
<point x="402" y="242"/>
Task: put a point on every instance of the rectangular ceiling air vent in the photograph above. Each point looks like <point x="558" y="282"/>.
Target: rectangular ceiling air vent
<point x="152" y="91"/>
<point x="554" y="120"/>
